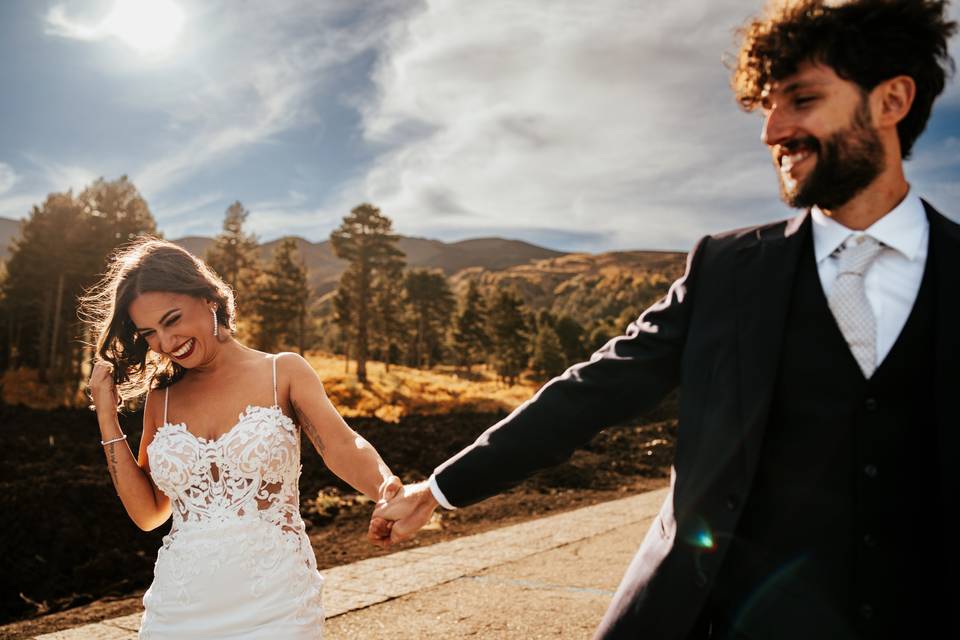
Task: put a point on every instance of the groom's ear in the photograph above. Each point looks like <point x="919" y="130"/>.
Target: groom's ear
<point x="891" y="100"/>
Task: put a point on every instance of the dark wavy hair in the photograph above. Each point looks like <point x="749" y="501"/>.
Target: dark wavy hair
<point x="863" y="41"/>
<point x="147" y="264"/>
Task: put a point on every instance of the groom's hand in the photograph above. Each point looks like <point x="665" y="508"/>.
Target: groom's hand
<point x="400" y="517"/>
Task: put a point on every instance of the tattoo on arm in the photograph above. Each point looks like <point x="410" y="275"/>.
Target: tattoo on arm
<point x="112" y="465"/>
<point x="309" y="429"/>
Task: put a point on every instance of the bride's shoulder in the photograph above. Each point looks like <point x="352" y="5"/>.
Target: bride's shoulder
<point x="292" y="364"/>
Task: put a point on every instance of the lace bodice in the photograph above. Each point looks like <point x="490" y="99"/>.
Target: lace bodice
<point x="237" y="562"/>
<point x="251" y="471"/>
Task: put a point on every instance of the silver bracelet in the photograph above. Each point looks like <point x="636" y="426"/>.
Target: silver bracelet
<point x="123" y="437"/>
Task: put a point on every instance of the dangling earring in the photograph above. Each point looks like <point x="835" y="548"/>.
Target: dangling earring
<point x="216" y="325"/>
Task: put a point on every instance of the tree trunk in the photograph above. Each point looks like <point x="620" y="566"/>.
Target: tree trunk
<point x="43" y="343"/>
<point x="55" y="334"/>
<point x="362" y="324"/>
<point x="421" y="321"/>
<point x="15" y="350"/>
<point x="300" y="330"/>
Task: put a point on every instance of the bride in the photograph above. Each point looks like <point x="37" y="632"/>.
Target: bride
<point x="220" y="450"/>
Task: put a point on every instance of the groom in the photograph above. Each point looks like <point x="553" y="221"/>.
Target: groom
<point x="818" y="361"/>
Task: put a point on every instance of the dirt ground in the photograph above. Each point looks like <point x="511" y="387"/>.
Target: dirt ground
<point x="75" y="558"/>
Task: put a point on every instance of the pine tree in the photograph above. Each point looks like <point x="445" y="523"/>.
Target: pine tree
<point x="282" y="299"/>
<point x="389" y="318"/>
<point x="343" y="315"/>
<point x="470" y="339"/>
<point x="430" y="304"/>
<point x="235" y="254"/>
<point x="61" y="251"/>
<point x="366" y="241"/>
<point x="571" y="335"/>
<point x="509" y="335"/>
<point x="547" y="360"/>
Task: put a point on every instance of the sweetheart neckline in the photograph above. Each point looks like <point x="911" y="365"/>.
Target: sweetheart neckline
<point x="243" y="414"/>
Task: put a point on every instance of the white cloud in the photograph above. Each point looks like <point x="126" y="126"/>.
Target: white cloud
<point x="609" y="121"/>
<point x="610" y="116"/>
<point x="8" y="177"/>
<point x="186" y="209"/>
<point x="933" y="175"/>
<point x="150" y="27"/>
<point x="242" y="81"/>
<point x="62" y="177"/>
<point x="59" y="23"/>
<point x="260" y="74"/>
<point x="19" y="206"/>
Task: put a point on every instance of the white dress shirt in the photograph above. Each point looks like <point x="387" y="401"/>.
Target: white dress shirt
<point x="892" y="281"/>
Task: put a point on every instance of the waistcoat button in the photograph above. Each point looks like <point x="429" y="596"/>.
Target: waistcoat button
<point x="870" y="471"/>
<point x="871" y="404"/>
<point x="866" y="611"/>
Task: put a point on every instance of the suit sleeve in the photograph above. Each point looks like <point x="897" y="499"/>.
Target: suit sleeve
<point x="627" y="376"/>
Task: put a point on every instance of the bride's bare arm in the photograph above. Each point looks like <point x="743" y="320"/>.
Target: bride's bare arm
<point x="146" y="505"/>
<point x="344" y="451"/>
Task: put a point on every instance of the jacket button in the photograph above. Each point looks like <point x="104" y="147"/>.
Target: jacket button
<point x="870" y="471"/>
<point x="870" y="541"/>
<point x="866" y="611"/>
<point x="733" y="501"/>
<point x="871" y="404"/>
<point x="700" y="579"/>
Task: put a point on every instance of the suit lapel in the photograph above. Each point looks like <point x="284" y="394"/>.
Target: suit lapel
<point x="764" y="282"/>
<point x="945" y="246"/>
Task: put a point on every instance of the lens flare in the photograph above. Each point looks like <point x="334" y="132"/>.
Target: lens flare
<point x="701" y="536"/>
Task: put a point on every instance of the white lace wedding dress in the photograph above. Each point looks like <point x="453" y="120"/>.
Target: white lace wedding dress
<point x="237" y="562"/>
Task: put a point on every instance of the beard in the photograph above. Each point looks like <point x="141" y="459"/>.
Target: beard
<point x="846" y="163"/>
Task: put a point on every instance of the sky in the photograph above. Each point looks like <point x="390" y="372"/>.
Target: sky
<point x="579" y="126"/>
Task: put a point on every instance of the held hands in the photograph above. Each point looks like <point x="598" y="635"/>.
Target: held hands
<point x="398" y="517"/>
<point x="103" y="391"/>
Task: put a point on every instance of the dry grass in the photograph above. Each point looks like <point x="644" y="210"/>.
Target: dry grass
<point x="22" y="386"/>
<point x="387" y="395"/>
<point x="403" y="391"/>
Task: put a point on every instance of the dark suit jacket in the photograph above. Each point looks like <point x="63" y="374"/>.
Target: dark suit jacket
<point x="717" y="334"/>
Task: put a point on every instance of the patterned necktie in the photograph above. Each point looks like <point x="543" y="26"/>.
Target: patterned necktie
<point x="849" y="304"/>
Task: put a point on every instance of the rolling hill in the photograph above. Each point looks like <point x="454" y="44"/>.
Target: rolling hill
<point x="587" y="287"/>
<point x="325" y="268"/>
<point x="584" y="286"/>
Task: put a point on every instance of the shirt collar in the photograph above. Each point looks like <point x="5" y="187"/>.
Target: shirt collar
<point x="901" y="229"/>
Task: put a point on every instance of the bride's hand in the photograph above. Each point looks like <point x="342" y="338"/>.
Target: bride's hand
<point x="103" y="391"/>
<point x="388" y="489"/>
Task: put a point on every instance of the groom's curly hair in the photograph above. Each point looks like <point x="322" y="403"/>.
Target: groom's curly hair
<point x="863" y="41"/>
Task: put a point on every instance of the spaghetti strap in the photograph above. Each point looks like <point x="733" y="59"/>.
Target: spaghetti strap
<point x="275" y="356"/>
<point x="166" y="397"/>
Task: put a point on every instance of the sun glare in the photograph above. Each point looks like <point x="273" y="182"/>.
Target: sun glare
<point x="149" y="26"/>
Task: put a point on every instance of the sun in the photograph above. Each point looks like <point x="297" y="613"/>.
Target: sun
<point x="149" y="26"/>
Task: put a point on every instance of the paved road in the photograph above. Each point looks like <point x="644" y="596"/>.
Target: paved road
<point x="548" y="578"/>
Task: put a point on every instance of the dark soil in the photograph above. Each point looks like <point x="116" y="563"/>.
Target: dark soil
<point x="70" y="555"/>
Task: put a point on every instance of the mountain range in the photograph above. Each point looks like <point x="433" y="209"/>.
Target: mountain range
<point x="325" y="268"/>
<point x="587" y="287"/>
<point x="582" y="285"/>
